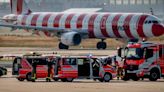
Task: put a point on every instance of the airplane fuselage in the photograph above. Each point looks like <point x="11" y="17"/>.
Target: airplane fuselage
<point x="98" y="25"/>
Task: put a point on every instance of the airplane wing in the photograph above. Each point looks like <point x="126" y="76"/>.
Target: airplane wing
<point x="56" y="30"/>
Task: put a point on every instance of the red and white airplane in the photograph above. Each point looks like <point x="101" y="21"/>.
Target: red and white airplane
<point x="71" y="28"/>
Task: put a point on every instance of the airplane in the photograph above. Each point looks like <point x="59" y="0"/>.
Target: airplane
<point x="72" y="27"/>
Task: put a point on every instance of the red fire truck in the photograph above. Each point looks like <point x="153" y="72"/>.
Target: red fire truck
<point x="69" y="68"/>
<point x="143" y="60"/>
<point x="22" y="67"/>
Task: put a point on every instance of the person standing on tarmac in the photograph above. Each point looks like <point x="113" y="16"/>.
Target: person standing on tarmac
<point x="50" y="62"/>
<point x="119" y="64"/>
<point x="34" y="64"/>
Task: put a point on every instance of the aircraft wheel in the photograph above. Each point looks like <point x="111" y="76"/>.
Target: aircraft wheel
<point x="63" y="46"/>
<point x="101" y="45"/>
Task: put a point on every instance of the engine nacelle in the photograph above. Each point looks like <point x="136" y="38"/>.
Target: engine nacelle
<point x="11" y="18"/>
<point x="71" y="38"/>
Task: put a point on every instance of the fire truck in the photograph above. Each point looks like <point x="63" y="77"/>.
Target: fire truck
<point x="142" y="60"/>
<point x="69" y="68"/>
<point x="22" y="67"/>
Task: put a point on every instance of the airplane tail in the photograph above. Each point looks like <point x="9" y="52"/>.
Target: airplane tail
<point x="19" y="7"/>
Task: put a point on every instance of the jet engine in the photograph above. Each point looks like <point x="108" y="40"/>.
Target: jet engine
<point x="71" y="38"/>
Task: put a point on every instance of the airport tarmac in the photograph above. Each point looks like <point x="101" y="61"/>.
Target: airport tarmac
<point x="9" y="51"/>
<point x="11" y="84"/>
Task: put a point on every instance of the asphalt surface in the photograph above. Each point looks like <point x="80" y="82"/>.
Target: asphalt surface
<point x="9" y="51"/>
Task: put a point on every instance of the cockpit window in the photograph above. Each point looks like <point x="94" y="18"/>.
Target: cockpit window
<point x="151" y="21"/>
<point x="155" y="22"/>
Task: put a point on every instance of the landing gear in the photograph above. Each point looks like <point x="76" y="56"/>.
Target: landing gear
<point x="101" y="45"/>
<point x="63" y="46"/>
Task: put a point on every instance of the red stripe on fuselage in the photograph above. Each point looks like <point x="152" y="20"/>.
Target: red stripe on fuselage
<point x="140" y="25"/>
<point x="34" y="19"/>
<point x="103" y="25"/>
<point x="115" y="25"/>
<point x="57" y="19"/>
<point x="23" y="22"/>
<point x="68" y="21"/>
<point x="45" y="20"/>
<point x="91" y="25"/>
<point x="127" y="26"/>
<point x="80" y="20"/>
<point x="19" y="6"/>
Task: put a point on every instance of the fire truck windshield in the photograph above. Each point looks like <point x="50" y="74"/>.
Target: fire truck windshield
<point x="134" y="53"/>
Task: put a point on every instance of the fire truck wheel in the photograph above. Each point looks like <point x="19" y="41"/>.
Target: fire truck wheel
<point x="28" y="77"/>
<point x="69" y="79"/>
<point x="154" y="75"/>
<point x="55" y="79"/>
<point x="107" y="77"/>
<point x="63" y="79"/>
<point x="21" y="79"/>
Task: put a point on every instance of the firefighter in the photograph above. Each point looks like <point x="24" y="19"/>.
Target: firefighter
<point x="119" y="69"/>
<point x="49" y="64"/>
<point x="34" y="64"/>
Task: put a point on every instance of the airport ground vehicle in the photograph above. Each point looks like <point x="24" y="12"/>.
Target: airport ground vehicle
<point x="3" y="71"/>
<point x="22" y="67"/>
<point x="69" y="68"/>
<point x="143" y="60"/>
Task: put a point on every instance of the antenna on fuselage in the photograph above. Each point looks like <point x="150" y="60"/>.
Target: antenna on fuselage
<point x="151" y="11"/>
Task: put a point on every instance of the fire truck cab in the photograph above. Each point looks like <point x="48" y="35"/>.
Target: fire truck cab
<point x="69" y="68"/>
<point x="143" y="60"/>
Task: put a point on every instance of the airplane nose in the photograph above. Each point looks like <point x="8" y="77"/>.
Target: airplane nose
<point x="157" y="29"/>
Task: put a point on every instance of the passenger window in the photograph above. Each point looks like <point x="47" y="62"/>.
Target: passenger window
<point x="80" y="61"/>
<point x="146" y="22"/>
<point x="69" y="61"/>
<point x="149" y="22"/>
<point x="156" y="22"/>
<point x="149" y="53"/>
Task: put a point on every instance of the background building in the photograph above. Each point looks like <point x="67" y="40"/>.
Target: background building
<point x="144" y="6"/>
